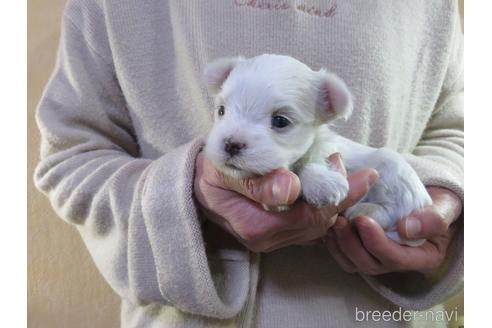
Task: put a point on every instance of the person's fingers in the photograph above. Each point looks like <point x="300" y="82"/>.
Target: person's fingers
<point x="283" y="238"/>
<point x="394" y="256"/>
<point x="301" y="214"/>
<point x="221" y="222"/>
<point x="422" y="224"/>
<point x="440" y="244"/>
<point x="377" y="243"/>
<point x="252" y="223"/>
<point x="446" y="203"/>
<point x="290" y="237"/>
<point x="338" y="255"/>
<point x="348" y="240"/>
<point x="359" y="184"/>
<point x="284" y="229"/>
<point x="254" y="240"/>
<point x="335" y="161"/>
<point x="433" y="220"/>
<point x="279" y="187"/>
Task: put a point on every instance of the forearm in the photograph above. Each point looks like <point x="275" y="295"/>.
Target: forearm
<point x="136" y="215"/>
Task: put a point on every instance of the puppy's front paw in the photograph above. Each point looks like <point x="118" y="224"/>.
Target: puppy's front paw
<point x="322" y="186"/>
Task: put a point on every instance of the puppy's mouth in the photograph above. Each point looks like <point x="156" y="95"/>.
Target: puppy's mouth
<point x="235" y="171"/>
<point x="232" y="167"/>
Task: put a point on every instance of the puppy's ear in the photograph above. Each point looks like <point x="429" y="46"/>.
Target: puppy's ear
<point x="218" y="71"/>
<point x="335" y="99"/>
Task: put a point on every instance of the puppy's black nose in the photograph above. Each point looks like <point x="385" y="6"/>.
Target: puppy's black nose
<point x="233" y="148"/>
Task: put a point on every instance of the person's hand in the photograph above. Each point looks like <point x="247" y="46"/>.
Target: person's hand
<point x="362" y="246"/>
<point x="236" y="205"/>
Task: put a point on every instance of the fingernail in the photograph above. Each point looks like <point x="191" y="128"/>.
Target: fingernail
<point x="413" y="227"/>
<point x="373" y="177"/>
<point x="281" y="182"/>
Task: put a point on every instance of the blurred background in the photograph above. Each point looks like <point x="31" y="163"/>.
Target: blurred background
<point x="64" y="287"/>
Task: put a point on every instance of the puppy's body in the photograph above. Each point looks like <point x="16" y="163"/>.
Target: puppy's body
<point x="273" y="111"/>
<point x="397" y="193"/>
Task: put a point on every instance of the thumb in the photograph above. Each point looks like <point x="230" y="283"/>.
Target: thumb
<point x="422" y="224"/>
<point x="279" y="187"/>
<point x="359" y="184"/>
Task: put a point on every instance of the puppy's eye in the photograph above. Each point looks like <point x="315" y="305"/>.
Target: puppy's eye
<point x="280" y="121"/>
<point x="221" y="110"/>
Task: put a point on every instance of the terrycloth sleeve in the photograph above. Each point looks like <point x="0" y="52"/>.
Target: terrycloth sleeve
<point x="137" y="216"/>
<point x="439" y="155"/>
<point x="438" y="160"/>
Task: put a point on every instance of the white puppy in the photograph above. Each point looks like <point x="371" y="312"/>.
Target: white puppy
<point x="272" y="111"/>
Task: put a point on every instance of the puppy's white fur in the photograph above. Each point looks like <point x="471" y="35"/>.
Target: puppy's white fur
<point x="249" y="92"/>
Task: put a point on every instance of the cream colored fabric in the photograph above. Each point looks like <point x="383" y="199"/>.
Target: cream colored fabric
<point x="122" y="120"/>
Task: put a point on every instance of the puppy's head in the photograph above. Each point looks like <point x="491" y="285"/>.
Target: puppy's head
<point x="267" y="111"/>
